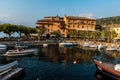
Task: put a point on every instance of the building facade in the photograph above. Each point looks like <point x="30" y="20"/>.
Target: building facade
<point x="116" y="28"/>
<point x="66" y="24"/>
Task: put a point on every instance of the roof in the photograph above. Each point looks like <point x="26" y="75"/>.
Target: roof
<point x="78" y="18"/>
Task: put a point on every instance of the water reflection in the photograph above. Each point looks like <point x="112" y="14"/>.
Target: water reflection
<point x="64" y="54"/>
<point x="62" y="63"/>
<point x="101" y="76"/>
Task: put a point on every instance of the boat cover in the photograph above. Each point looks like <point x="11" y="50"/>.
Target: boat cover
<point x="117" y="67"/>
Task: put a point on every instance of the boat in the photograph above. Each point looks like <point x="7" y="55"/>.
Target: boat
<point x="100" y="76"/>
<point x="21" y="45"/>
<point x="86" y="44"/>
<point x="19" y="52"/>
<point x="108" y="69"/>
<point x="45" y="45"/>
<point x="68" y="44"/>
<point x="2" y="46"/>
<point x="112" y="48"/>
<point x="95" y="46"/>
<point x="100" y="47"/>
<point x="10" y="71"/>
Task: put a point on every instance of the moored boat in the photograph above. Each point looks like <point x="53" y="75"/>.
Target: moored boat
<point x="21" y="45"/>
<point x="111" y="70"/>
<point x="2" y="46"/>
<point x="95" y="46"/>
<point x="10" y="71"/>
<point x="45" y="45"/>
<point x="86" y="44"/>
<point x="100" y="46"/>
<point x="112" y="48"/>
<point x="18" y="52"/>
<point x="67" y="44"/>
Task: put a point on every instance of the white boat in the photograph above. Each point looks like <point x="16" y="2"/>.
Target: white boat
<point x="45" y="45"/>
<point x="93" y="46"/>
<point x="18" y="52"/>
<point x="10" y="71"/>
<point x="67" y="44"/>
<point x="86" y="44"/>
<point x="112" y="48"/>
<point x="2" y="46"/>
<point x="100" y="46"/>
<point x="21" y="45"/>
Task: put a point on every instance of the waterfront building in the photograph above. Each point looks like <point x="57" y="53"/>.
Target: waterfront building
<point x="66" y="24"/>
<point x="116" y="28"/>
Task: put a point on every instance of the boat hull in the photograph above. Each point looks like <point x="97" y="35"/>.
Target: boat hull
<point x="19" y="53"/>
<point x="107" y="71"/>
<point x="16" y="75"/>
<point x="3" y="46"/>
<point x="68" y="44"/>
<point x="10" y="71"/>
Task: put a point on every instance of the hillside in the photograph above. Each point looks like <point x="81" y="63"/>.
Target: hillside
<point x="108" y="20"/>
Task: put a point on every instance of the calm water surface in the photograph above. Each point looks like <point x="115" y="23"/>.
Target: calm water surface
<point x="61" y="63"/>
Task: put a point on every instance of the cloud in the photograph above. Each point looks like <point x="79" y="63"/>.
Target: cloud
<point x="88" y="15"/>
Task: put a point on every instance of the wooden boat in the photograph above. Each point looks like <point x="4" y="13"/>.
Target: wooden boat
<point x="10" y="71"/>
<point x="19" y="52"/>
<point x="108" y="69"/>
<point x="100" y="76"/>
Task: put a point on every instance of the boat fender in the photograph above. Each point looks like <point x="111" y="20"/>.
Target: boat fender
<point x="117" y="67"/>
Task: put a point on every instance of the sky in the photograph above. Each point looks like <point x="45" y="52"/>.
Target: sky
<point x="27" y="12"/>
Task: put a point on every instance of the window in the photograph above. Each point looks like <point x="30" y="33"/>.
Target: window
<point x="82" y="26"/>
<point x="68" y="25"/>
<point x="82" y="22"/>
<point x="48" y="30"/>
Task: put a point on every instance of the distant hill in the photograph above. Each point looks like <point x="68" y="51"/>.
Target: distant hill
<point x="108" y="20"/>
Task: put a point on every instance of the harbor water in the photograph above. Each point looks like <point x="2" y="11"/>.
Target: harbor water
<point x="62" y="63"/>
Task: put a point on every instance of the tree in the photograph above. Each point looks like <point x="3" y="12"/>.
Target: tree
<point x="7" y="28"/>
<point x="41" y="30"/>
<point x="95" y="35"/>
<point x="1" y="28"/>
<point x="106" y="34"/>
<point x="56" y="33"/>
<point x="113" y="34"/>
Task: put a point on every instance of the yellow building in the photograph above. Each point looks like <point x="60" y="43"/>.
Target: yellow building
<point x="66" y="24"/>
<point x="116" y="28"/>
